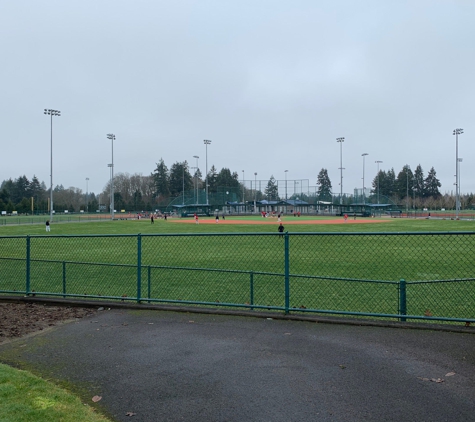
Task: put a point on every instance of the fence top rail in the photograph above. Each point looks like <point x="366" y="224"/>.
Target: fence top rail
<point x="429" y="233"/>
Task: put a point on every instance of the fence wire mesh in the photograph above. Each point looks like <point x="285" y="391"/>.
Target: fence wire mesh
<point x="391" y="275"/>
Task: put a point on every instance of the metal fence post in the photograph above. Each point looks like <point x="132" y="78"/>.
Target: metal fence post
<point x="286" y="272"/>
<point x="64" y="278"/>
<point x="28" y="269"/>
<point x="402" y="299"/>
<point x="139" y="267"/>
<point x="149" y="282"/>
<point x="251" y="289"/>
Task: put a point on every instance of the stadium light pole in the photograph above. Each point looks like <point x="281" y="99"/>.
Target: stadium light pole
<point x="87" y="192"/>
<point x="111" y="136"/>
<point x="196" y="178"/>
<point x="413" y="197"/>
<point x="407" y="190"/>
<point x="183" y="185"/>
<point x="243" y="192"/>
<point x="340" y="141"/>
<point x="285" y="173"/>
<point x="457" y="132"/>
<point x="378" y="163"/>
<point x="207" y="142"/>
<point x="459" y="185"/>
<point x="110" y="187"/>
<point x="194" y="182"/>
<point x="255" y="191"/>
<point x="364" y="155"/>
<point x="51" y="113"/>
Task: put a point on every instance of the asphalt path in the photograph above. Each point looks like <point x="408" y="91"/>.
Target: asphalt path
<point x="171" y="366"/>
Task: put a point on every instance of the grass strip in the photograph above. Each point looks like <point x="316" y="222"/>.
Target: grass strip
<point x="25" y="397"/>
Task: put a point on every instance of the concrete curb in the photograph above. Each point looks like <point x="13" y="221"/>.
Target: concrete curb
<point x="244" y="313"/>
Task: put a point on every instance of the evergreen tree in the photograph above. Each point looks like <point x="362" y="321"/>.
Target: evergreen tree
<point x="197" y="176"/>
<point x="10" y="207"/>
<point x="391" y="182"/>
<point x="119" y="203"/>
<point x="432" y="184"/>
<point x="225" y="179"/>
<point x="418" y="187"/>
<point x="35" y="187"/>
<point x="324" y="184"/>
<point x="212" y="175"/>
<point x="161" y="179"/>
<point x="387" y="183"/>
<point x="272" y="190"/>
<point x="4" y="194"/>
<point x="21" y="189"/>
<point x="236" y="183"/>
<point x="180" y="178"/>
<point x="378" y="179"/>
<point x="404" y="182"/>
<point x="24" y="206"/>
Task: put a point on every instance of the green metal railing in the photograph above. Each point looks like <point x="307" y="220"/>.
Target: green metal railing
<point x="397" y="276"/>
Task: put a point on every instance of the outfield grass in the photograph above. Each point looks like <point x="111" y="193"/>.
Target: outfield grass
<point x="180" y="264"/>
<point x="174" y="226"/>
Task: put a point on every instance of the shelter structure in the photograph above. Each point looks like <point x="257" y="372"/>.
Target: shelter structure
<point x="368" y="210"/>
<point x="283" y="206"/>
<point x="188" y="210"/>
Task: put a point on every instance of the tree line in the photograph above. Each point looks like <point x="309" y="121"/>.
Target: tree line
<point x="407" y="183"/>
<point x="137" y="192"/>
<point x="32" y="196"/>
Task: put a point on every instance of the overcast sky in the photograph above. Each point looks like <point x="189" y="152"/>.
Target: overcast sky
<point x="271" y="83"/>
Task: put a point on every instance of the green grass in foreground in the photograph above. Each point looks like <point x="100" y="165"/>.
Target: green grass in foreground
<point x="27" y="398"/>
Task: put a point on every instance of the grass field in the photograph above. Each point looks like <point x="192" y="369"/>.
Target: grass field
<point x="330" y="270"/>
<point x="175" y="267"/>
<point x="67" y="226"/>
<point x="27" y="398"/>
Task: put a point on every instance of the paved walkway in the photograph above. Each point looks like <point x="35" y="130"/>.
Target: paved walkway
<point x="167" y="366"/>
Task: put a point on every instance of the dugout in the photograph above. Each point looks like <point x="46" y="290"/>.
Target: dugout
<point x="189" y="210"/>
<point x="234" y="207"/>
<point x="283" y="206"/>
<point x="355" y="210"/>
<point x="366" y="210"/>
<point x="380" y="209"/>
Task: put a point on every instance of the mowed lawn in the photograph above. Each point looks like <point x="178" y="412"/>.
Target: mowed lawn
<point x="219" y="263"/>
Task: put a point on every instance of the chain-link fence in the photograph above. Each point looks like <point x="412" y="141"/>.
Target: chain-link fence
<point x="404" y="276"/>
<point x="63" y="218"/>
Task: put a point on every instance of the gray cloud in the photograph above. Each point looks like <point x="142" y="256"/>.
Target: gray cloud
<point x="271" y="83"/>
